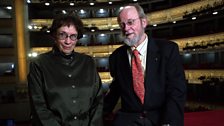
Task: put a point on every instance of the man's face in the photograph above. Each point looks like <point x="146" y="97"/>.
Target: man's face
<point x="66" y="39"/>
<point x="132" y="26"/>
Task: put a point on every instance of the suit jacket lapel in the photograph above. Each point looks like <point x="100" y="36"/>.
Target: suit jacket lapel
<point x="126" y="71"/>
<point x="152" y="64"/>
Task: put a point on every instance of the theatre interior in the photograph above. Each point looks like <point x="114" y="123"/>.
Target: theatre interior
<point x="195" y="25"/>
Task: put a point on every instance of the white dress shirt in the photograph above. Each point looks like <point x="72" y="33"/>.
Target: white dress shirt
<point x="142" y="49"/>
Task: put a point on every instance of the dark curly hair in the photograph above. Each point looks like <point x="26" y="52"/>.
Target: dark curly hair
<point x="67" y="20"/>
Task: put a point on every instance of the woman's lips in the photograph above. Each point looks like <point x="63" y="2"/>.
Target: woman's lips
<point x="66" y="47"/>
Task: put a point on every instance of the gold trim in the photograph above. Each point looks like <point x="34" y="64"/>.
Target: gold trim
<point x="106" y="50"/>
<point x="158" y="17"/>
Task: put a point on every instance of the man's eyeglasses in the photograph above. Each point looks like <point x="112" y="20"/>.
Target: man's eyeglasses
<point x="64" y="35"/>
<point x="129" y="22"/>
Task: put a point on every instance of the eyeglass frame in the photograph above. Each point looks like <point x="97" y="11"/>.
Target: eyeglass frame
<point x="129" y="22"/>
<point x="64" y="35"/>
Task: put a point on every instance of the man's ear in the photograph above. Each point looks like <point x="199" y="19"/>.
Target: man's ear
<point x="144" y="22"/>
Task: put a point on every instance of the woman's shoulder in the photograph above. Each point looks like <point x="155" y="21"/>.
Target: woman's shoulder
<point x="83" y="56"/>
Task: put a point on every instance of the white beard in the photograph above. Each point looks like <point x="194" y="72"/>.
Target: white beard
<point x="135" y="40"/>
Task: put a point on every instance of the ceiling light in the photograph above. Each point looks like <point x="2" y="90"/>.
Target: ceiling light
<point x="215" y="12"/>
<point x="47" y="4"/>
<point x="32" y="54"/>
<point x="28" y="1"/>
<point x="29" y="55"/>
<point x="9" y="7"/>
<point x="35" y="27"/>
<point x="193" y="18"/>
<point x="71" y="4"/>
<point x="102" y="35"/>
<point x="12" y="66"/>
<point x="110" y="2"/>
<point x="82" y="11"/>
<point x="187" y="54"/>
<point x="64" y="11"/>
<point x="91" y="4"/>
<point x="121" y="8"/>
<point x="30" y="27"/>
<point x="101" y="11"/>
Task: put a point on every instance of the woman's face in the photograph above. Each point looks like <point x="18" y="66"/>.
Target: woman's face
<point x="66" y="39"/>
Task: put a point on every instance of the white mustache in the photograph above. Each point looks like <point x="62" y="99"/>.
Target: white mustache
<point x="127" y="34"/>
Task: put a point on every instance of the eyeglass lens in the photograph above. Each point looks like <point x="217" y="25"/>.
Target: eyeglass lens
<point x="130" y="22"/>
<point x="64" y="35"/>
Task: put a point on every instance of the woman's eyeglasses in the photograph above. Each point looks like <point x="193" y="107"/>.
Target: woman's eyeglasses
<point x="64" y="35"/>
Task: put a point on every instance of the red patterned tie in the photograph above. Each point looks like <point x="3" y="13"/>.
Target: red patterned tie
<point x="138" y="77"/>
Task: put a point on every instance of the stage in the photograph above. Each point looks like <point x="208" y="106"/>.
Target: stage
<point x="205" y="118"/>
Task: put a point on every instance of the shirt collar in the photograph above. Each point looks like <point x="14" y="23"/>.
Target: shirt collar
<point x="56" y="51"/>
<point x="142" y="48"/>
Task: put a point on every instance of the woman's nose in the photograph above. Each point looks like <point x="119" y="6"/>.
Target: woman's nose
<point x="68" y="40"/>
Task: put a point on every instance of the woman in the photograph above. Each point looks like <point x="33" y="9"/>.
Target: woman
<point x="64" y="86"/>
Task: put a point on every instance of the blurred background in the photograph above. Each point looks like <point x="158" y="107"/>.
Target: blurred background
<point x="195" y="25"/>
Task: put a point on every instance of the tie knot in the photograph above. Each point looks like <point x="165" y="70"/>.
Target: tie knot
<point x="135" y="52"/>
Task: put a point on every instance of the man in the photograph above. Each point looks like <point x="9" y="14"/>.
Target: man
<point x="161" y="98"/>
<point x="64" y="86"/>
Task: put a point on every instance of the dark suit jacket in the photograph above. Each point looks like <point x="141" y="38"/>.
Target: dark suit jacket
<point x="164" y="85"/>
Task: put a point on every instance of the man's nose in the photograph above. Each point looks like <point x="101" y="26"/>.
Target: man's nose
<point x="126" y="27"/>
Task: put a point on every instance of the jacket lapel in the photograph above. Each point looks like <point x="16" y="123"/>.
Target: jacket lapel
<point x="126" y="71"/>
<point x="152" y="64"/>
<point x="125" y="62"/>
